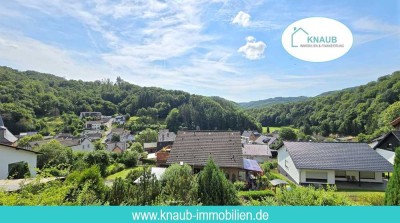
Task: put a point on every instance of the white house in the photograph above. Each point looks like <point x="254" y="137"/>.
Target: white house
<point x="81" y="145"/>
<point x="12" y="155"/>
<point x="76" y="144"/>
<point x="327" y="163"/>
<point x="94" y="125"/>
<point x="260" y="153"/>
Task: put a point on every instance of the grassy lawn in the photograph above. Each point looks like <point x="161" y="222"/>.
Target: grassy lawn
<point x="272" y="129"/>
<point x="122" y="174"/>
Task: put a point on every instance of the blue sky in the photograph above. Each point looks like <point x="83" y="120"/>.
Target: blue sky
<point x="230" y="49"/>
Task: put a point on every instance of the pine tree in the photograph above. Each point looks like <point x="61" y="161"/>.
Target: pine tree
<point x="392" y="195"/>
<point x="214" y="188"/>
<point x="268" y="130"/>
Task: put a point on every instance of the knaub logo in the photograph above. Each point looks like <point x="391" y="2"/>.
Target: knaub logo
<point x="317" y="39"/>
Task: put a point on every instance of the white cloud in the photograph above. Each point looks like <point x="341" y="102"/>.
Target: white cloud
<point x="253" y="50"/>
<point x="29" y="54"/>
<point x="367" y="30"/>
<point x="242" y="19"/>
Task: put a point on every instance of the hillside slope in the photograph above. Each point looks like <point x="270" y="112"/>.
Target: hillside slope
<point x="366" y="109"/>
<point x="271" y="101"/>
<point x="27" y="96"/>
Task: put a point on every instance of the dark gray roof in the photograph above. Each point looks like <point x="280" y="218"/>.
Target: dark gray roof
<point x="396" y="134"/>
<point x="260" y="140"/>
<point x="194" y="148"/>
<point x="93" y="122"/>
<point x="64" y="142"/>
<point x="256" y="150"/>
<point x="111" y="146"/>
<point x="247" y="133"/>
<point x="6" y="136"/>
<point x="336" y="156"/>
<point x="265" y="140"/>
<point x="97" y="135"/>
<point x="18" y="148"/>
<point x="166" y="136"/>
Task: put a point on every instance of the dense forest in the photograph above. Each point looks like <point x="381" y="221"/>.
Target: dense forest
<point x="364" y="110"/>
<point x="271" y="101"/>
<point x="26" y="97"/>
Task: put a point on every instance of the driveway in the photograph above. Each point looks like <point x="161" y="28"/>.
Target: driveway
<point x="14" y="185"/>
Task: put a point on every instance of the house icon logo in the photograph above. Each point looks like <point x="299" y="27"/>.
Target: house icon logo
<point x="317" y="39"/>
<point x="297" y="32"/>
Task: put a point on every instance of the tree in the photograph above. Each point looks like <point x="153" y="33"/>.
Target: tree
<point x="173" y="120"/>
<point x="149" y="188"/>
<point x="130" y="158"/>
<point x="214" y="188"/>
<point x="88" y="186"/>
<point x="147" y="135"/>
<point x="136" y="146"/>
<point x="179" y="185"/>
<point x="115" y="138"/>
<point x="100" y="158"/>
<point x="392" y="194"/>
<point x="268" y="130"/>
<point x="53" y="154"/>
<point x="287" y="134"/>
<point x="25" y="140"/>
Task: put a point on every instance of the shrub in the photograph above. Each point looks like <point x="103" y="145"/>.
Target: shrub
<point x="309" y="196"/>
<point x="392" y="194"/>
<point x="35" y="194"/>
<point x="53" y="154"/>
<point x="375" y="199"/>
<point x="117" y="193"/>
<point x="134" y="174"/>
<point x="115" y="168"/>
<point x="129" y="158"/>
<point x="88" y="181"/>
<point x="239" y="185"/>
<point x="100" y="158"/>
<point x="265" y="201"/>
<point x="148" y="161"/>
<point x="214" y="188"/>
<point x="19" y="170"/>
<point x="179" y="184"/>
<point x="256" y="194"/>
<point x="267" y="166"/>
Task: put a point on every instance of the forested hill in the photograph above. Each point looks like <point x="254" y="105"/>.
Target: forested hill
<point x="28" y="96"/>
<point x="366" y="109"/>
<point x="271" y="101"/>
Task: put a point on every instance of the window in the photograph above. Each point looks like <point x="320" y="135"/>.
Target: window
<point x="340" y="174"/>
<point x="317" y="177"/>
<point x="287" y="164"/>
<point x="367" y="175"/>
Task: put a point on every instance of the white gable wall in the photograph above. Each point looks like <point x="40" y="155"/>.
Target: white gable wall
<point x="286" y="163"/>
<point x="10" y="155"/>
<point x="85" y="146"/>
<point x="388" y="155"/>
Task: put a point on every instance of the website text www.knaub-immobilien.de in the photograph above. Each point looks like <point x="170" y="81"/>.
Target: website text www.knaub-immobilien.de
<point x="188" y="215"/>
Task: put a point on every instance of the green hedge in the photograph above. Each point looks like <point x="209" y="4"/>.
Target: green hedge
<point x="256" y="194"/>
<point x="114" y="168"/>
